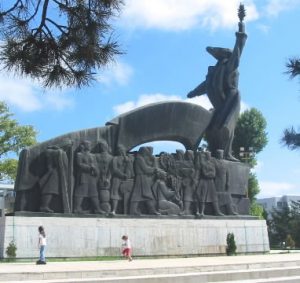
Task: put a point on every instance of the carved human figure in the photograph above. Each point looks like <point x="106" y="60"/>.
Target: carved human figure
<point x="221" y="87"/>
<point x="168" y="164"/>
<point x="86" y="182"/>
<point x="164" y="196"/>
<point x="25" y="183"/>
<point x="176" y="171"/>
<point x="187" y="173"/>
<point x="144" y="170"/>
<point x="103" y="161"/>
<point x="206" y="191"/>
<point x="221" y="183"/>
<point x="121" y="171"/>
<point x="54" y="181"/>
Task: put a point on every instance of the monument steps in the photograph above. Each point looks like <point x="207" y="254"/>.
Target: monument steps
<point x="260" y="272"/>
<point x="290" y="279"/>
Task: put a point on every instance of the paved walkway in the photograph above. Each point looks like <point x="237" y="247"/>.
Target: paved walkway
<point x="136" y="264"/>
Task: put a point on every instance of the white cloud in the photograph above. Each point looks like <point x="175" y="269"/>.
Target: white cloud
<point x="182" y="15"/>
<point x="116" y="73"/>
<point x="272" y="189"/>
<point x="264" y="28"/>
<point x="244" y="107"/>
<point x="143" y="100"/>
<point x="258" y="167"/>
<point x="201" y="100"/>
<point x="27" y="96"/>
<point x="275" y="7"/>
<point x="20" y="94"/>
<point x="58" y="101"/>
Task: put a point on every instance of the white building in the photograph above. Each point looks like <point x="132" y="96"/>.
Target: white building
<point x="7" y="198"/>
<point x="277" y="202"/>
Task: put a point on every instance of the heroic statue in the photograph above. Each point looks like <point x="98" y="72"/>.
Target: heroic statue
<point x="221" y="87"/>
<point x="222" y="184"/>
<point x="86" y="183"/>
<point x="164" y="195"/>
<point x="103" y="163"/>
<point x="54" y="181"/>
<point x="122" y="178"/>
<point x="187" y="173"/>
<point x="96" y="170"/>
<point x="206" y="190"/>
<point x="144" y="171"/>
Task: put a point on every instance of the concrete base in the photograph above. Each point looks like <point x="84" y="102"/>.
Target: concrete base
<point x="89" y="237"/>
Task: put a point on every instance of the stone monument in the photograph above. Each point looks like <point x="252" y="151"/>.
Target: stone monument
<point x="95" y="173"/>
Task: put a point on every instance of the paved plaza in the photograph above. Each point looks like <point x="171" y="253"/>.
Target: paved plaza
<point x="274" y="265"/>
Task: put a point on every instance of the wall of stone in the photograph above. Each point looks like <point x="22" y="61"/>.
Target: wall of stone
<point x="84" y="237"/>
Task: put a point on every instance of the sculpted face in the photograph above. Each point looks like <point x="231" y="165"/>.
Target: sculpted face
<point x="220" y="154"/>
<point x="121" y="151"/>
<point x="207" y="155"/>
<point x="103" y="147"/>
<point x="86" y="145"/>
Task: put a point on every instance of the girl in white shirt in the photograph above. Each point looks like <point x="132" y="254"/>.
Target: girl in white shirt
<point x="126" y="248"/>
<point x="42" y="245"/>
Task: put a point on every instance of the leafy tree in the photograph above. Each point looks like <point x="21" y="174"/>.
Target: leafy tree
<point x="13" y="138"/>
<point x="250" y="132"/>
<point x="280" y="225"/>
<point x="257" y="210"/>
<point x="295" y="229"/>
<point x="253" y="187"/>
<point x="285" y="225"/>
<point x="291" y="138"/>
<point x="59" y="42"/>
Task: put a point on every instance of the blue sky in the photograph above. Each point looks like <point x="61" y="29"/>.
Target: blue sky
<point x="165" y="58"/>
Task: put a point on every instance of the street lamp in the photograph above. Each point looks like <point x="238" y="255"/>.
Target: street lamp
<point x="246" y="154"/>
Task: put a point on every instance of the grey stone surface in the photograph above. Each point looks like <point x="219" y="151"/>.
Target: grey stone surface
<point x="87" y="178"/>
<point x="77" y="237"/>
<point x="176" y="121"/>
<point x="51" y="174"/>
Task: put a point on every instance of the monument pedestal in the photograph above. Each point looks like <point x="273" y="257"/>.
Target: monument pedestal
<point x="90" y="236"/>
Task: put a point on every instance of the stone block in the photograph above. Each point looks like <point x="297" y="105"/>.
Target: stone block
<point x="90" y="237"/>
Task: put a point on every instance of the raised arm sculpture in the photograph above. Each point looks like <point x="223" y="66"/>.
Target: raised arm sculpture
<point x="221" y="87"/>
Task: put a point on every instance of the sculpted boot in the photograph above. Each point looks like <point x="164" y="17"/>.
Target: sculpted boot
<point x="77" y="205"/>
<point x="45" y="202"/>
<point x="231" y="210"/>
<point x="134" y="208"/>
<point x="151" y="208"/>
<point x="186" y="208"/>
<point x="96" y="205"/>
<point x="217" y="209"/>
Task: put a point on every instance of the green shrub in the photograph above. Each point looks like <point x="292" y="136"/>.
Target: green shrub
<point x="231" y="246"/>
<point x="11" y="250"/>
<point x="290" y="243"/>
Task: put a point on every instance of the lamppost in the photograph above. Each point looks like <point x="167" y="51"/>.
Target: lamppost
<point x="246" y="154"/>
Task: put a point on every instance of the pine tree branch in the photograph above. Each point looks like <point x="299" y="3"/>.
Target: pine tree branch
<point x="12" y="8"/>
